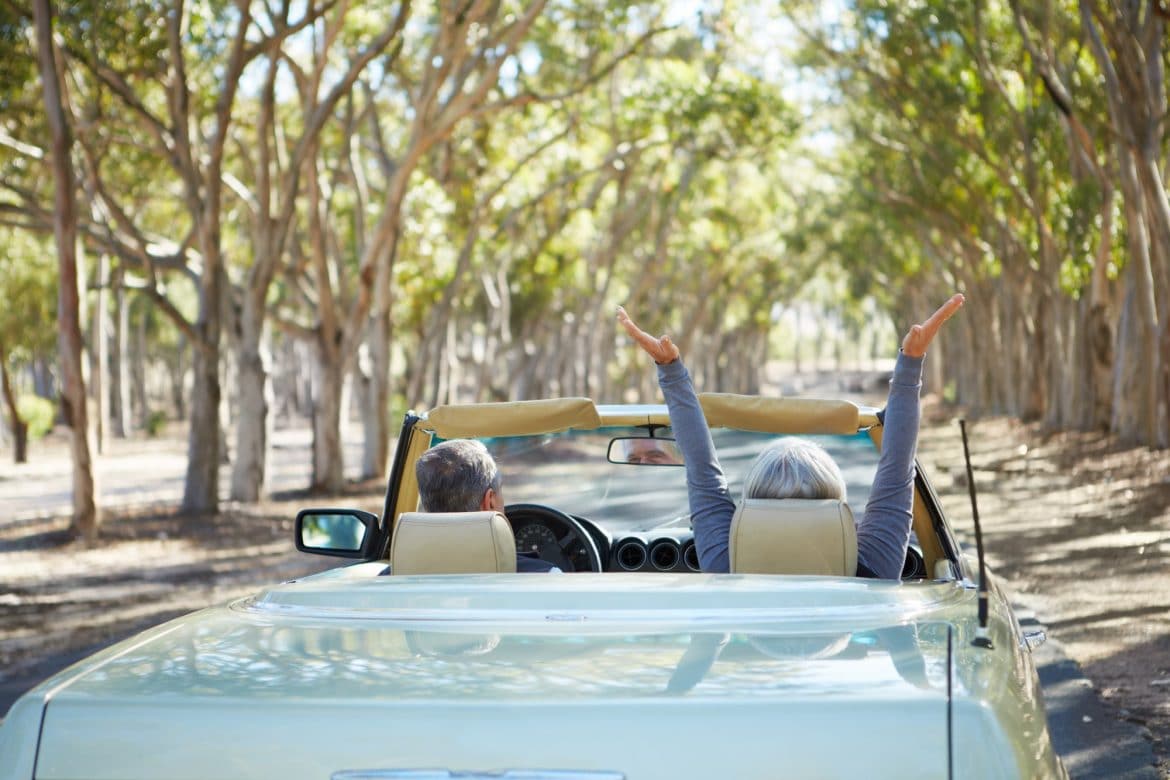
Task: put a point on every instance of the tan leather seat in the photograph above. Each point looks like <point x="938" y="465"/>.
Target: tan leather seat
<point x="793" y="536"/>
<point x="452" y="543"/>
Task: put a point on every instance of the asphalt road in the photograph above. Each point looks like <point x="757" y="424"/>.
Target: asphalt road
<point x="145" y="471"/>
<point x="1093" y="741"/>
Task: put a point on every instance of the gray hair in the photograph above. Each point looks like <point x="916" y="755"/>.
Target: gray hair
<point x="453" y="476"/>
<point x="794" y="468"/>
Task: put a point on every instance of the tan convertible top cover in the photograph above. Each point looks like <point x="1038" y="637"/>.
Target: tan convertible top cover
<point x="723" y="410"/>
<point x="779" y="415"/>
<point x="514" y="418"/>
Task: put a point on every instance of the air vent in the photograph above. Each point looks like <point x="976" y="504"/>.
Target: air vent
<point x="664" y="554"/>
<point x="630" y="554"/>
<point x="690" y="555"/>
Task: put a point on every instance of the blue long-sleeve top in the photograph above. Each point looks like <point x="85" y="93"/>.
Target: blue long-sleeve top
<point x="883" y="532"/>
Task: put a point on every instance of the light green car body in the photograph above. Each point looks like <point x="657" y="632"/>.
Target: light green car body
<point x="589" y="676"/>
<point x="641" y="675"/>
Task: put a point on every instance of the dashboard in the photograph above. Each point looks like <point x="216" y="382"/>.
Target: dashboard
<point x="575" y="543"/>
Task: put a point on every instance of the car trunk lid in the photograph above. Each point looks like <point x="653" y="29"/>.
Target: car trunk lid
<point x="649" y="676"/>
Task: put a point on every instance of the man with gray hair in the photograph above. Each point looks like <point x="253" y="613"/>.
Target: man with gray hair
<point x="460" y="475"/>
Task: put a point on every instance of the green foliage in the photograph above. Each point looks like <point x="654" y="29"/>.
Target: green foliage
<point x="28" y="287"/>
<point x="38" y="413"/>
<point x="678" y="158"/>
<point x="156" y="421"/>
<point x="18" y="69"/>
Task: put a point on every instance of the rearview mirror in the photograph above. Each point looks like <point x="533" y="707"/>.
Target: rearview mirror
<point x="344" y="533"/>
<point x="644" y="451"/>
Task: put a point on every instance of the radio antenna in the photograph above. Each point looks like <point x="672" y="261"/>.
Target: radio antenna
<point x="982" y="636"/>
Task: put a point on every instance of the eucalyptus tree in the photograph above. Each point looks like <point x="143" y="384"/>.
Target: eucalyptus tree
<point x="274" y="152"/>
<point x="1052" y="37"/>
<point x="969" y="155"/>
<point x="456" y="79"/>
<point x="86" y="515"/>
<point x="157" y="88"/>
<point x="449" y="63"/>
<point x="478" y="191"/>
<point x="449" y="72"/>
<point x="607" y="220"/>
<point x="26" y="287"/>
<point x="1128" y="42"/>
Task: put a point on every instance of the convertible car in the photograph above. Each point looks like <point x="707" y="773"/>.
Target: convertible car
<point x="427" y="656"/>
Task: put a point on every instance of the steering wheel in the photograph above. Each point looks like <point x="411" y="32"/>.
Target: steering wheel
<point x="554" y="536"/>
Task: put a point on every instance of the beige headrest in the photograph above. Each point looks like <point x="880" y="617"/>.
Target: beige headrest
<point x="793" y="536"/>
<point x="452" y="543"/>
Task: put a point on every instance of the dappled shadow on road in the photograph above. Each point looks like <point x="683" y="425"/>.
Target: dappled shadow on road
<point x="1152" y="660"/>
<point x="60" y="597"/>
<point x="359" y="489"/>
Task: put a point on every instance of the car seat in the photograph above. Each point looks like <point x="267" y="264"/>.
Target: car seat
<point x="793" y="536"/>
<point x="452" y="543"/>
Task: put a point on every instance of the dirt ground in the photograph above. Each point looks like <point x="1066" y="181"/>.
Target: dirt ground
<point x="1078" y="525"/>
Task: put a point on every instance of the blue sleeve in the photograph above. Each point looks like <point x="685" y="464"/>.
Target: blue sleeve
<point x="884" y="531"/>
<point x="711" y="506"/>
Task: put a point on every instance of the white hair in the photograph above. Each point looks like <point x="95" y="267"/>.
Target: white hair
<point x="794" y="468"/>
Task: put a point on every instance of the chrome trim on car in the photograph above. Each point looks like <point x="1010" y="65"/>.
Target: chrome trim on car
<point x="1035" y="638"/>
<point x="872" y="611"/>
<point x="447" y="774"/>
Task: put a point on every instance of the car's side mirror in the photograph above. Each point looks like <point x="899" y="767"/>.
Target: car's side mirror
<point x="344" y="533"/>
<point x="644" y="451"/>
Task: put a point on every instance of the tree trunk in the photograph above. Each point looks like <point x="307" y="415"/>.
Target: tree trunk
<point x="1149" y="276"/>
<point x="201" y="487"/>
<point x="254" y="420"/>
<point x="328" y="466"/>
<point x="178" y="377"/>
<point x="1129" y="387"/>
<point x="121" y="363"/>
<point x="139" y="391"/>
<point x="1134" y="413"/>
<point x="86" y="517"/>
<point x="17" y="423"/>
<point x="797" y="337"/>
<point x="1098" y="343"/>
<point x="44" y="382"/>
<point x="1056" y="399"/>
<point x="1098" y="326"/>
<point x="99" y="352"/>
<point x="376" y="422"/>
<point x="1036" y="354"/>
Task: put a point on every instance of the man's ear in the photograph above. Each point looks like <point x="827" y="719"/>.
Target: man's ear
<point x="492" y="501"/>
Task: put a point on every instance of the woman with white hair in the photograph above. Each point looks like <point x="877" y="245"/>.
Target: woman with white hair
<point x="798" y="468"/>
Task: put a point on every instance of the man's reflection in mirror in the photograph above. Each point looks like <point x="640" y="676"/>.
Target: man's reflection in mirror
<point x="660" y="452"/>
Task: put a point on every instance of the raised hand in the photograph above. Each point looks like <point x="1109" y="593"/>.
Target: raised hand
<point x="663" y="350"/>
<point x="920" y="336"/>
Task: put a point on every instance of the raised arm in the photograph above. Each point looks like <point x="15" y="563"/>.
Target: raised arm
<point x="884" y="531"/>
<point x="710" y="503"/>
